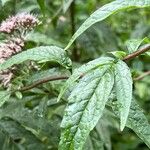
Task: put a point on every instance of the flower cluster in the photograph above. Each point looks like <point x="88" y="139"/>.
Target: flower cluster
<point x="17" y="27"/>
<point x="20" y="22"/>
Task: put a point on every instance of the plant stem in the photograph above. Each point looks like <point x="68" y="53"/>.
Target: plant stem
<point x="137" y="53"/>
<point x="142" y="76"/>
<point x="54" y="78"/>
<point x="44" y="80"/>
<point x="73" y="29"/>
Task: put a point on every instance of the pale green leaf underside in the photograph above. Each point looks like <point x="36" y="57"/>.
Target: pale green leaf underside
<point x="83" y="70"/>
<point x="40" y="54"/>
<point x="137" y="122"/>
<point x="86" y="104"/>
<point x="123" y="87"/>
<point x="107" y="10"/>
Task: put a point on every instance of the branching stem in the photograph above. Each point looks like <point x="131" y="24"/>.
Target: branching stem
<point x="54" y="78"/>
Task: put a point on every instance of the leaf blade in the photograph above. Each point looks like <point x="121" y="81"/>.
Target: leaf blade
<point x="85" y="109"/>
<point x="83" y="70"/>
<point x="123" y="88"/>
<point x="105" y="11"/>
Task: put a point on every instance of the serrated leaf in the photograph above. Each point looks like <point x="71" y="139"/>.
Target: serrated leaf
<point x="86" y="104"/>
<point x="133" y="44"/>
<point x="83" y="70"/>
<point x="66" y="4"/>
<point x="40" y="54"/>
<point x="107" y="10"/>
<point x="123" y="87"/>
<point x="137" y="121"/>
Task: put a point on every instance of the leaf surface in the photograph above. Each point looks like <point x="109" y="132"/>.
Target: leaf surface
<point x="123" y="87"/>
<point x="137" y="121"/>
<point x="86" y="104"/>
<point x="107" y="10"/>
<point x="83" y="70"/>
<point x="40" y="54"/>
<point x="66" y="4"/>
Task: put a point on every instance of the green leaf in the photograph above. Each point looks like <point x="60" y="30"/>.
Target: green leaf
<point x="38" y="125"/>
<point x="18" y="94"/>
<point x="4" y="2"/>
<point x="66" y="4"/>
<point x="41" y="54"/>
<point x="17" y="132"/>
<point x="133" y="44"/>
<point x="107" y="10"/>
<point x="148" y="53"/>
<point x="123" y="87"/>
<point x="86" y="104"/>
<point x="83" y="70"/>
<point x="42" y="5"/>
<point x="4" y="96"/>
<point x="118" y="54"/>
<point x="137" y="121"/>
<point x="41" y="38"/>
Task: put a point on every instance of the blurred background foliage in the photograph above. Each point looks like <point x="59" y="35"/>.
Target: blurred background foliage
<point x="31" y="119"/>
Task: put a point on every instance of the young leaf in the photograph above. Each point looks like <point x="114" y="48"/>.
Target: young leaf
<point x="41" y="54"/>
<point x="123" y="87"/>
<point x="107" y="10"/>
<point x="133" y="45"/>
<point x="66" y="4"/>
<point x="86" y="104"/>
<point x="137" y="122"/>
<point x="118" y="54"/>
<point x="83" y="70"/>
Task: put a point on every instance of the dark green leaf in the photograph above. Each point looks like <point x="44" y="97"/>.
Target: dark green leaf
<point x="42" y="5"/>
<point x="137" y="121"/>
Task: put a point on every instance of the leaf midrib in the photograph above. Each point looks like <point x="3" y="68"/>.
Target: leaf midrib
<point x="86" y="106"/>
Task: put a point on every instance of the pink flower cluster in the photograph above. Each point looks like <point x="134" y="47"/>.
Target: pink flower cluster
<point x="16" y="26"/>
<point x="8" y="49"/>
<point x="23" y="21"/>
